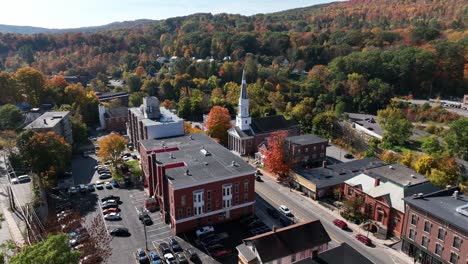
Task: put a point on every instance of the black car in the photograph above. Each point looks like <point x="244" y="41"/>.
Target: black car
<point x="110" y="197"/>
<point x="120" y="231"/>
<point x="181" y="259"/>
<point x="174" y="245"/>
<point x="141" y="256"/>
<point x="146" y="219"/>
<point x="258" y="178"/>
<point x="210" y="240"/>
<point x="348" y="156"/>
<point x="105" y="176"/>
<point x="164" y="248"/>
<point x="192" y="255"/>
<point x="109" y="205"/>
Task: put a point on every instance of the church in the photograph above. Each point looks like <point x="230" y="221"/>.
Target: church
<point x="249" y="133"/>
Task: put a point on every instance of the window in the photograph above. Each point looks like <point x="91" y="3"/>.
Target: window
<point x="198" y="210"/>
<point x="189" y="212"/>
<point x="217" y="204"/>
<point x="179" y="213"/>
<point x="208" y="195"/>
<point x="453" y="258"/>
<point x="182" y="200"/>
<point x="425" y="241"/>
<point x="414" y="219"/>
<point x="315" y="148"/>
<point x="236" y="187"/>
<point x="412" y="234"/>
<point x="456" y="242"/>
<point x="427" y="226"/>
<point x="246" y="197"/>
<point x="441" y="234"/>
<point x="208" y="206"/>
<point x="246" y="186"/>
<point x="438" y="249"/>
<point x="236" y="200"/>
<point x="350" y="190"/>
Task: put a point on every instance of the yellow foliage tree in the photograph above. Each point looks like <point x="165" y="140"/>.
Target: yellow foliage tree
<point x="424" y="164"/>
<point x="111" y="148"/>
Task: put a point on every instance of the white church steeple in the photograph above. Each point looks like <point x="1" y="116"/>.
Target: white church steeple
<point x="243" y="119"/>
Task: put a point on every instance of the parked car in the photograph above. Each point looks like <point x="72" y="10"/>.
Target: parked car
<point x="79" y="239"/>
<point x="105" y="176"/>
<point x="82" y="188"/>
<point x="90" y="187"/>
<point x="273" y="212"/>
<point x="146" y="219"/>
<point x="108" y="185"/>
<point x="258" y="178"/>
<point x="120" y="231"/>
<point x="23" y="178"/>
<point x="91" y="259"/>
<point x="348" y="156"/>
<point x="340" y="223"/>
<point x="175" y="246"/>
<point x="112" y="217"/>
<point x="141" y="256"/>
<point x="110" y="210"/>
<point x="115" y="183"/>
<point x="164" y="248"/>
<point x="204" y="230"/>
<point x="107" y="206"/>
<point x="77" y="232"/>
<point x="363" y="239"/>
<point x="69" y="227"/>
<point x="154" y="258"/>
<point x="99" y="185"/>
<point x="169" y="258"/>
<point x="191" y="254"/>
<point x="110" y="197"/>
<point x="181" y="259"/>
<point x="285" y="210"/>
<point x="73" y="190"/>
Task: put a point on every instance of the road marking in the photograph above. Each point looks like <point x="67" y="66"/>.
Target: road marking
<point x="155" y="235"/>
<point x="154" y="230"/>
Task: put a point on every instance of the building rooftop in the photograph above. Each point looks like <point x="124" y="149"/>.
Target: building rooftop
<point x="47" y="120"/>
<point x="117" y="112"/>
<point x="200" y="156"/>
<point x="271" y="123"/>
<point x="166" y="117"/>
<point x="342" y="254"/>
<point x="338" y="173"/>
<point x="366" y="121"/>
<point x="444" y="206"/>
<point x="398" y="174"/>
<point x="288" y="240"/>
<point x="306" y="139"/>
<point x="111" y="95"/>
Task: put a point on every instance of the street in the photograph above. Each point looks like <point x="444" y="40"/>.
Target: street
<point x="304" y="209"/>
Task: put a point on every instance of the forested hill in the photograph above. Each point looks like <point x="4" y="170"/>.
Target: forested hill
<point x="415" y="46"/>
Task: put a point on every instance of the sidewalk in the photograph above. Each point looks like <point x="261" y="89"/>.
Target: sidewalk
<point x="13" y="227"/>
<point x="386" y="244"/>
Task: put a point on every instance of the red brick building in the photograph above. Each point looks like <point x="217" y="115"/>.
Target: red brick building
<point x="436" y="227"/>
<point x="383" y="189"/>
<point x="197" y="181"/>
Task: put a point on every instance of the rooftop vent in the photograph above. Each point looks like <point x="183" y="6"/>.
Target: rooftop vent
<point x="191" y="137"/>
<point x="206" y="163"/>
<point x="171" y="156"/>
<point x="455" y="194"/>
<point x="413" y="176"/>
<point x="45" y="121"/>
<point x="234" y="164"/>
<point x="205" y="152"/>
<point x="187" y="172"/>
<point x="390" y="167"/>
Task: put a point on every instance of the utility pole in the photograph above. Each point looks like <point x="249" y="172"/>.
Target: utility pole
<point x="146" y="239"/>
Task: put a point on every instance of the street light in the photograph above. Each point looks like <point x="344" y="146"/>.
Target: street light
<point x="146" y="239"/>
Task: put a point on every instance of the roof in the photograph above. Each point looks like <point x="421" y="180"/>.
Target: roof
<point x="246" y="253"/>
<point x="243" y="92"/>
<point x="398" y="174"/>
<point x="306" y="139"/>
<point x="365" y="121"/>
<point x="366" y="182"/>
<point x="288" y="240"/>
<point x="166" y="116"/>
<point x="442" y="205"/>
<point x="117" y="112"/>
<point x="338" y="173"/>
<point x="239" y="132"/>
<point x="186" y="152"/>
<point x="271" y="123"/>
<point x="111" y="95"/>
<point x="342" y="254"/>
<point x="48" y="120"/>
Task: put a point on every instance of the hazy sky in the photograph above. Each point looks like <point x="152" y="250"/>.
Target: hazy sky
<point x="80" y="13"/>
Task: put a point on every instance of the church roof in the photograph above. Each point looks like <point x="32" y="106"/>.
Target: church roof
<point x="243" y="93"/>
<point x="271" y="123"/>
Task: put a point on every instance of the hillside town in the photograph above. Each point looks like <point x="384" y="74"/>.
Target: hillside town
<point x="290" y="137"/>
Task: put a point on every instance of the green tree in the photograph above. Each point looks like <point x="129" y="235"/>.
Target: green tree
<point x="397" y="129"/>
<point x="8" y="90"/>
<point x="441" y="178"/>
<point x="79" y="129"/>
<point x="54" y="250"/>
<point x="431" y="145"/>
<point x="10" y="117"/>
<point x="303" y="113"/>
<point x="457" y="138"/>
<point x="325" y="124"/>
<point x="134" y="83"/>
<point x="136" y="99"/>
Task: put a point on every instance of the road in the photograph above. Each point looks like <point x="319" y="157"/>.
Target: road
<point x="451" y="109"/>
<point x="306" y="210"/>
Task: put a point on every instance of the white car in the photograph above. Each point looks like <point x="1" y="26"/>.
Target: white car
<point x="112" y="216"/>
<point x="99" y="185"/>
<point x="204" y="230"/>
<point x="108" y="185"/>
<point x="285" y="210"/>
<point x="169" y="258"/>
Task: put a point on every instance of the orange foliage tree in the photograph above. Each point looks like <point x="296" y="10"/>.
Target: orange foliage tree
<point x="111" y="148"/>
<point x="218" y="122"/>
<point x="276" y="159"/>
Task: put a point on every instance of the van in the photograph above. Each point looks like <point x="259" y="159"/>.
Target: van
<point x="23" y="178"/>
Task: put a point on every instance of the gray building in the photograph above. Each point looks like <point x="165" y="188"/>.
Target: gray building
<point x="59" y="122"/>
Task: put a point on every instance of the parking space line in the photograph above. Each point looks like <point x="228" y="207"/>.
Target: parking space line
<point x="154" y="230"/>
<point x="155" y="235"/>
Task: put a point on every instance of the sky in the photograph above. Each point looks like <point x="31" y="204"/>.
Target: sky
<point x="82" y="13"/>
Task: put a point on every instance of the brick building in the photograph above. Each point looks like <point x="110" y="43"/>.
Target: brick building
<point x="436" y="227"/>
<point x="465" y="102"/>
<point x="114" y="119"/>
<point x="57" y="121"/>
<point x="249" y="133"/>
<point x="383" y="189"/>
<point x="196" y="181"/>
<point x="107" y="97"/>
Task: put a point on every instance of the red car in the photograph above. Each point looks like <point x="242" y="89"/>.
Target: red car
<point x="340" y="223"/>
<point x="221" y="253"/>
<point x="110" y="210"/>
<point x="91" y="259"/>
<point x="363" y="239"/>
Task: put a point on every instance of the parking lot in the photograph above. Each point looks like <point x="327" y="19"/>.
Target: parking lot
<point x="132" y="199"/>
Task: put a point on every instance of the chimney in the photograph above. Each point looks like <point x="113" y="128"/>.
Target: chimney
<point x="45" y="121"/>
<point x="448" y="187"/>
<point x="324" y="164"/>
<point x="455" y="194"/>
<point x="376" y="182"/>
<point x="273" y="228"/>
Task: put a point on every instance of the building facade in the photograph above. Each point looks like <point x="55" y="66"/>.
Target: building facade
<point x="196" y="181"/>
<point x="465" y="102"/>
<point x="58" y="121"/>
<point x="151" y="121"/>
<point x="249" y="133"/>
<point x="436" y="227"/>
<point x="114" y="119"/>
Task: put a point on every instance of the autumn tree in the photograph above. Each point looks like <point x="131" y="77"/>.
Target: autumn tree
<point x="8" y="140"/>
<point x="30" y="82"/>
<point x="55" y="249"/>
<point x="276" y="159"/>
<point x="457" y="138"/>
<point x="218" y="122"/>
<point x="10" y="117"/>
<point x="111" y="148"/>
<point x="8" y="91"/>
<point x="424" y="164"/>
<point x="325" y="124"/>
<point x="396" y="128"/>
